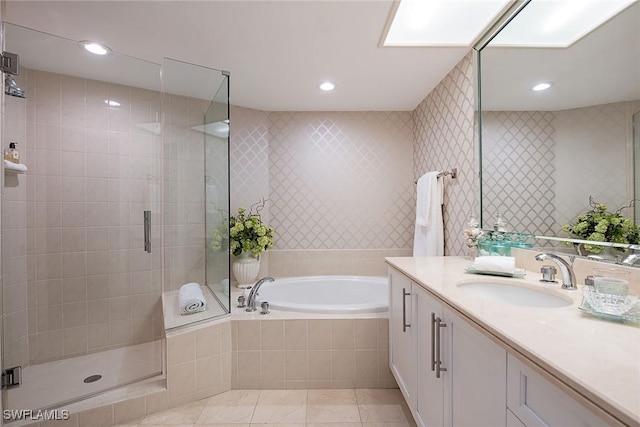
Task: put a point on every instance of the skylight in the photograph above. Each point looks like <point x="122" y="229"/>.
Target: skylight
<point x="441" y="22"/>
<point x="557" y="23"/>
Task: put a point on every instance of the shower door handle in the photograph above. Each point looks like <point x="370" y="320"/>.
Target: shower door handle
<point x="147" y="231"/>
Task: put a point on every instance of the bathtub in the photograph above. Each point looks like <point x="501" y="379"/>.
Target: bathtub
<point x="327" y="294"/>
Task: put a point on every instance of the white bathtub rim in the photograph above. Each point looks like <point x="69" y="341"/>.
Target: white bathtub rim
<point x="352" y="309"/>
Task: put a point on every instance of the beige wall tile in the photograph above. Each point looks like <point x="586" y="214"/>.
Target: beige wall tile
<point x="319" y="365"/>
<point x="181" y="348"/>
<point x="129" y="410"/>
<point x="342" y="365"/>
<point x="272" y="334"/>
<point x="98" y="417"/>
<point x="296" y="365"/>
<point x="295" y="334"/>
<point x="272" y="366"/>
<point x="181" y="380"/>
<point x="248" y="335"/>
<point x="366" y="334"/>
<point x="249" y="366"/>
<point x="343" y="334"/>
<point x="320" y="334"/>
<point x="208" y="372"/>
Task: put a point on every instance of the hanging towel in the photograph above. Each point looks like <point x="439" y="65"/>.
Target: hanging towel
<point x="428" y="239"/>
<point x="191" y="299"/>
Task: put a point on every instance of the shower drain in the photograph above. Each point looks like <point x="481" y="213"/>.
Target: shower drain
<point x="92" y="378"/>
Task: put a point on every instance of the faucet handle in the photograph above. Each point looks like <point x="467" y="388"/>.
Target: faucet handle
<point x="265" y="307"/>
<point x="241" y="301"/>
<point x="548" y="273"/>
<point x="589" y="281"/>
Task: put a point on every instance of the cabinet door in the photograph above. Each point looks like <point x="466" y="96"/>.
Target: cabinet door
<point x="401" y="348"/>
<point x="478" y="372"/>
<point x="430" y="389"/>
<point x="538" y="403"/>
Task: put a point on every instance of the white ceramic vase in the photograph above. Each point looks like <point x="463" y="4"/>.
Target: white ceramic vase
<point x="245" y="270"/>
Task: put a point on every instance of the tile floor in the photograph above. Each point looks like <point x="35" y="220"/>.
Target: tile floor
<point x="289" y="408"/>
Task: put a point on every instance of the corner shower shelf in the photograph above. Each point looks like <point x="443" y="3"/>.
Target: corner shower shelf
<point x="11" y="171"/>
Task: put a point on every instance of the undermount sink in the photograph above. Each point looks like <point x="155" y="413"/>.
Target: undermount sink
<point x="516" y="294"/>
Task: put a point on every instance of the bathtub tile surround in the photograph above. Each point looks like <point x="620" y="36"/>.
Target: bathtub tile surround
<point x="444" y="139"/>
<point x="198" y="362"/>
<point x="310" y="353"/>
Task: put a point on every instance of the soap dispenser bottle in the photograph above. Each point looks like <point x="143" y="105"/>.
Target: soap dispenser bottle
<point x="11" y="153"/>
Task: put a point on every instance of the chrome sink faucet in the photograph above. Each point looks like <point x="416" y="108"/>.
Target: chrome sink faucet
<point x="251" y="300"/>
<point x="566" y="269"/>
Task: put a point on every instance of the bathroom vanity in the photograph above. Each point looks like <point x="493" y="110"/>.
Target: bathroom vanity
<point x="465" y="350"/>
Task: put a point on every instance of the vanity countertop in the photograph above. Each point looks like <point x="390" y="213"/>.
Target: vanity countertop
<point x="597" y="358"/>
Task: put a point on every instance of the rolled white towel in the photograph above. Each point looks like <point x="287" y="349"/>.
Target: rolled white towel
<point x="191" y="299"/>
<point x="498" y="264"/>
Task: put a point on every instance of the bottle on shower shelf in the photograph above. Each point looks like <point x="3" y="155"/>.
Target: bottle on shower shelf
<point x="11" y="154"/>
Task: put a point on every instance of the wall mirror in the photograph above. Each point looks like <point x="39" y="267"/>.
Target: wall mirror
<point x="543" y="154"/>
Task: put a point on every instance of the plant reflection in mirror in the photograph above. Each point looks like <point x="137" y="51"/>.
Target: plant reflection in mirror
<point x="600" y="225"/>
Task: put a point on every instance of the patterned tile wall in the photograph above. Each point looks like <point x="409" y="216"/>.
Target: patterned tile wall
<point x="526" y="154"/>
<point x="518" y="151"/>
<point x="341" y="180"/>
<point x="444" y="139"/>
<point x="249" y="153"/>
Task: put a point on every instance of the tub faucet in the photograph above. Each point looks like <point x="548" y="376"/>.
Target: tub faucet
<point x="568" y="276"/>
<point x="251" y="300"/>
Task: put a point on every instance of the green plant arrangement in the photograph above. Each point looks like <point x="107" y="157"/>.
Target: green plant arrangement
<point x="248" y="233"/>
<point x="600" y="225"/>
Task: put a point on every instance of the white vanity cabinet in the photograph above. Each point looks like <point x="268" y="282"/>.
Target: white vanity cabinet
<point x="450" y="373"/>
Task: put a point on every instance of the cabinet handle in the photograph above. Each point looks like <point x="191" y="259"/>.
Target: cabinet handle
<point x="439" y="368"/>
<point x="404" y="309"/>
<point x="433" y="339"/>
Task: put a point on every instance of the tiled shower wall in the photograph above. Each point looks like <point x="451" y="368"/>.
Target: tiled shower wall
<point x="92" y="172"/>
<point x="526" y="157"/>
<point x="444" y="139"/>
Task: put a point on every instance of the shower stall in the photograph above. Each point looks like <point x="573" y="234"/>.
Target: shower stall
<point x="124" y="197"/>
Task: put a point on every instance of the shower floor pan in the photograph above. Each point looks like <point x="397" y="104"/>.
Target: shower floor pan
<point x="59" y="383"/>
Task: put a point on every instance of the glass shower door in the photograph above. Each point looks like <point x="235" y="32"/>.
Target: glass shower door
<point x="216" y="157"/>
<point x="79" y="290"/>
<point x="196" y="188"/>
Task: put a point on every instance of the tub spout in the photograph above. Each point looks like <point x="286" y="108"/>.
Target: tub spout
<point x="251" y="300"/>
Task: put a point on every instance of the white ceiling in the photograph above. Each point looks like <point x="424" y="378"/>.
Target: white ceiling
<point x="276" y="51"/>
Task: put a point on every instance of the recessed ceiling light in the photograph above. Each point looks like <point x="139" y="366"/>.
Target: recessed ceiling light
<point x="542" y="86"/>
<point x="95" y="48"/>
<point x="327" y="86"/>
<point x="557" y="23"/>
<point x="441" y="22"/>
